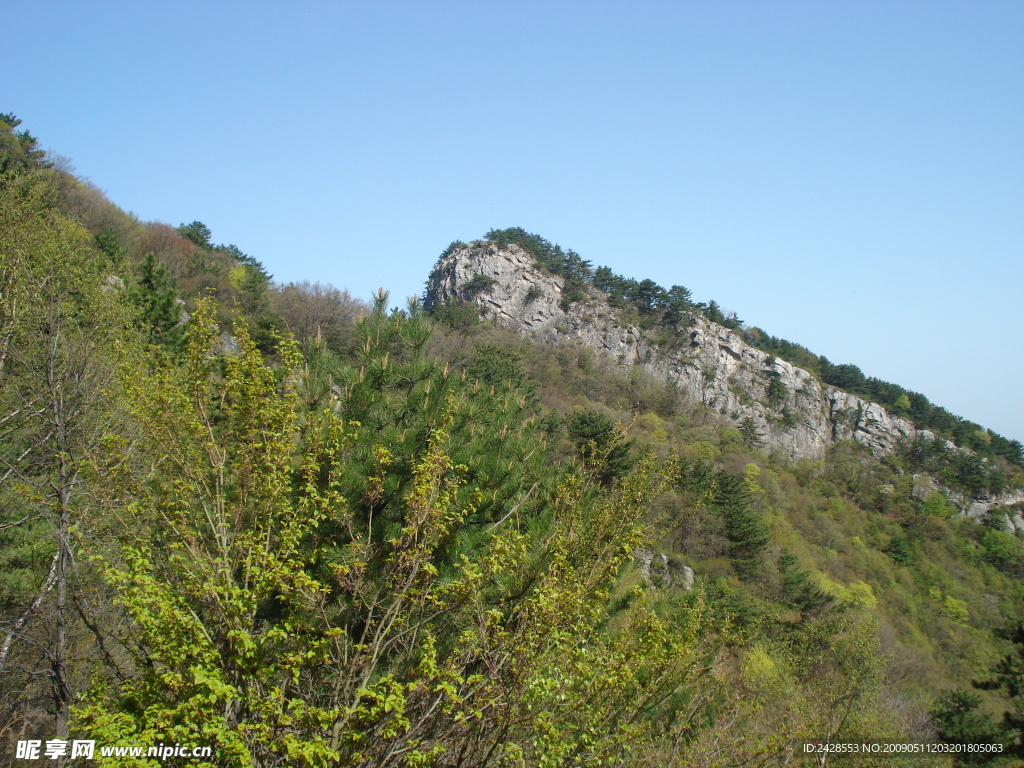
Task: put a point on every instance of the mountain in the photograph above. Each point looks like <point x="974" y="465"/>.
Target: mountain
<point x="712" y="365"/>
<point x="551" y="516"/>
<point x="777" y="405"/>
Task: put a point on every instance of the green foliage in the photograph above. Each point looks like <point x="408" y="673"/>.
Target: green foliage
<point x="160" y="311"/>
<point x="454" y="246"/>
<point x="198" y="233"/>
<point x="476" y="285"/>
<point x="249" y="280"/>
<point x="744" y="526"/>
<point x="656" y="305"/>
<point x="958" y="720"/>
<point x="496" y="367"/>
<point x="677" y="305"/>
<point x="938" y="505"/>
<point x="600" y="441"/>
<point x="750" y="433"/>
<point x="957" y="610"/>
<point x="457" y="315"/>
<point x="788" y="418"/>
<point x="568" y="264"/>
<point x="821" y="682"/>
<point x="211" y="569"/>
<point x="1004" y="550"/>
<point x="777" y="392"/>
<point x="900" y="550"/>
<point x="413" y="544"/>
<point x="1008" y="678"/>
<point x="901" y="407"/>
<point x="395" y="396"/>
<point x="729" y="497"/>
<point x="19" y="150"/>
<point x="798" y="589"/>
<point x="573" y="290"/>
<point x="60" y="319"/>
<point x="257" y="633"/>
<point x="961" y="470"/>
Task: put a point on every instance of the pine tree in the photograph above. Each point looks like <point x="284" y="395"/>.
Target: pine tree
<point x="797" y="587"/>
<point x="744" y="526"/>
<point x="159" y="305"/>
<point x="600" y="440"/>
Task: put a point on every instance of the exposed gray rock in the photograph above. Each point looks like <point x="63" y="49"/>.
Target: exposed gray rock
<point x="646" y="557"/>
<point x="716" y="367"/>
<point x="227" y="345"/>
<point x="686" y="577"/>
<point x="924" y="486"/>
<point x="1013" y="501"/>
<point x="669" y="574"/>
<point x="980" y="507"/>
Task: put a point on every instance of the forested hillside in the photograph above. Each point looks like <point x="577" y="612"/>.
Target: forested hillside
<point x="307" y="530"/>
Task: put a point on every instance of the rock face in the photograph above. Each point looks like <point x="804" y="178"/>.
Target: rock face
<point x="655" y="566"/>
<point x="714" y="366"/>
<point x="1013" y="501"/>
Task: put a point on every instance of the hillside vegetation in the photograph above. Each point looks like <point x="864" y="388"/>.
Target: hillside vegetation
<point x="307" y="530"/>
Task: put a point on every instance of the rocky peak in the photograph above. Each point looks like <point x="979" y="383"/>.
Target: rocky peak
<point x="715" y="367"/>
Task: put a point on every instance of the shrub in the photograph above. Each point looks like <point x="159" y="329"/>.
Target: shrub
<point x="476" y="285"/>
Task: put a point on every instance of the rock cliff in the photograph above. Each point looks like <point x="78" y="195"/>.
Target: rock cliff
<point x="713" y="366"/>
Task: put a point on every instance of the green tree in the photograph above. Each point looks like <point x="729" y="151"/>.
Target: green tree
<point x="59" y="321"/>
<point x="749" y="433"/>
<point x="649" y="296"/>
<point x="600" y="440"/>
<point x="958" y="721"/>
<point x="476" y="285"/>
<point x="777" y="392"/>
<point x="398" y="393"/>
<point x="457" y="315"/>
<point x="496" y="367"/>
<point x="1004" y="550"/>
<point x="902" y="405"/>
<point x="19" y="150"/>
<point x="938" y="505"/>
<point x="212" y="561"/>
<point x="249" y="280"/>
<point x="677" y="305"/>
<point x="797" y="586"/>
<point x="744" y="526"/>
<point x="158" y="301"/>
<point x="713" y="312"/>
<point x="198" y="233"/>
<point x="900" y="550"/>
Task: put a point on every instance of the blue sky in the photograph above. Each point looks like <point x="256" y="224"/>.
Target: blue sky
<point x="847" y="175"/>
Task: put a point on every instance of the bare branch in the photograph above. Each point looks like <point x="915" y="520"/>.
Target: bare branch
<point x="51" y="580"/>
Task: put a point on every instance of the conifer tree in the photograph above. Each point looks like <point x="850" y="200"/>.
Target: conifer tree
<point x="744" y="526"/>
<point x="600" y="440"/>
<point x="158" y="302"/>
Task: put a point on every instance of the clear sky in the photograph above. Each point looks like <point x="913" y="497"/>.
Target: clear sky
<point x="846" y="175"/>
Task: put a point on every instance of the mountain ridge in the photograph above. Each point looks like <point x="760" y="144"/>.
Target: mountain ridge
<point x="775" y="404"/>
